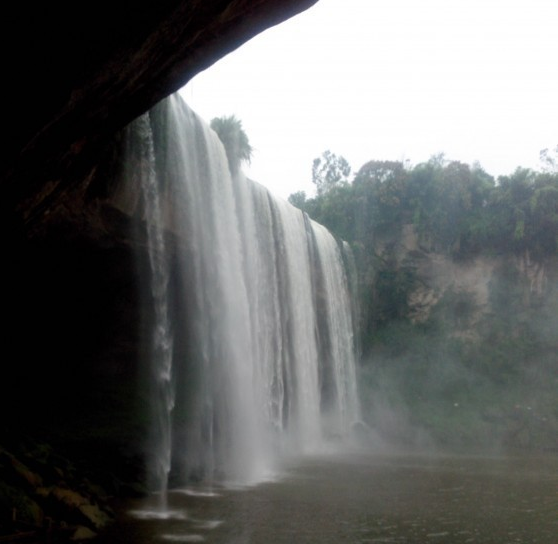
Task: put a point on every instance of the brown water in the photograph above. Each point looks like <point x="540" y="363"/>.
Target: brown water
<point x="365" y="499"/>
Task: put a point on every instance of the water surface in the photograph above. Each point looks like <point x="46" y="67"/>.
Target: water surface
<point x="365" y="499"/>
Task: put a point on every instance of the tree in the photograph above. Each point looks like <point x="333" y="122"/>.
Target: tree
<point x="298" y="199"/>
<point x="232" y="135"/>
<point x="549" y="160"/>
<point x="381" y="192"/>
<point x="377" y="172"/>
<point x="329" y="170"/>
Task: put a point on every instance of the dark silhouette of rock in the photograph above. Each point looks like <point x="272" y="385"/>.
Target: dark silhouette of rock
<point x="74" y="74"/>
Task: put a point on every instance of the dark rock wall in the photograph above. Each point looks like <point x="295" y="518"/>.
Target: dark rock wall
<point x="74" y="75"/>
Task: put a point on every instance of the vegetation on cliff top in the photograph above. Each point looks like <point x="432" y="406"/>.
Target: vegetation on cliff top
<point x="455" y="208"/>
<point x="462" y="375"/>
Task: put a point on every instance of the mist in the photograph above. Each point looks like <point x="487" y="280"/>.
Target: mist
<point x="457" y="300"/>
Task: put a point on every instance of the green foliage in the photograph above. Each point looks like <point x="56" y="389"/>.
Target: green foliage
<point x="523" y="213"/>
<point x="380" y="189"/>
<point x="447" y="201"/>
<point x="335" y="209"/>
<point x="298" y="199"/>
<point x="458" y="387"/>
<point x="549" y="160"/>
<point x="392" y="285"/>
<point x="328" y="171"/>
<point x="462" y="392"/>
<point x="455" y="208"/>
<point x="232" y="135"/>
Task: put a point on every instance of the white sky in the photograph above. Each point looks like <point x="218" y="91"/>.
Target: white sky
<point x="392" y="80"/>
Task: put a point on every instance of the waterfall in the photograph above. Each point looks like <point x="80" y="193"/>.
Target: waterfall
<point x="252" y="357"/>
<point x="140" y="167"/>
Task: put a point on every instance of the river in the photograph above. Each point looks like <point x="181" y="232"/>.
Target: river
<point x="359" y="499"/>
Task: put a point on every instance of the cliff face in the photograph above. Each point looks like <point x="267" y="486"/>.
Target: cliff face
<point x="476" y="281"/>
<point x="75" y="74"/>
<point x="468" y="359"/>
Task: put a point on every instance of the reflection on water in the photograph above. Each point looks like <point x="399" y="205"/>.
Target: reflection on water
<point x="363" y="499"/>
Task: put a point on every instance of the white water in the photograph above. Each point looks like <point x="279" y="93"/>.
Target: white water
<point x="141" y="147"/>
<point x="253" y="302"/>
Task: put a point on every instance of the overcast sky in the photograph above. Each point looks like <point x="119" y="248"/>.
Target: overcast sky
<point x="392" y="80"/>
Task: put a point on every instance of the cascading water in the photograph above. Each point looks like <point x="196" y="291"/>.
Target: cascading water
<point x="254" y="348"/>
<point x="339" y="391"/>
<point x="140" y="151"/>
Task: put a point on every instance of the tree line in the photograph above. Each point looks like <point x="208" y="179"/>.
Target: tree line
<point x="455" y="208"/>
